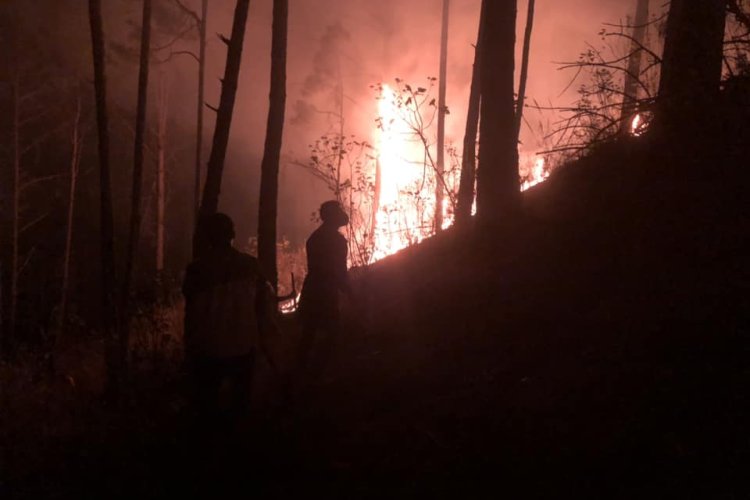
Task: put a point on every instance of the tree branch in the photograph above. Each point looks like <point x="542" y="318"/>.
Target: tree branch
<point x="190" y="12"/>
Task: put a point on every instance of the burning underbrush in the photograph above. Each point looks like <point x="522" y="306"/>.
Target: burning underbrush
<point x="390" y="182"/>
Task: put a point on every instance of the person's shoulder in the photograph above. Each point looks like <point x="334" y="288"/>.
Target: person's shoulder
<point x="245" y="260"/>
<point x="316" y="233"/>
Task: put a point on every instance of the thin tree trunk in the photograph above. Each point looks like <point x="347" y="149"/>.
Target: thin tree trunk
<point x="201" y="104"/>
<point x="524" y="68"/>
<point x="630" y="87"/>
<point x="469" y="158"/>
<point x="161" y="140"/>
<point x="75" y="158"/>
<point x="109" y="304"/>
<point x="498" y="189"/>
<point x="136" y="199"/>
<point x="269" y="180"/>
<point x="212" y="186"/>
<point x="442" y="110"/>
<point x="15" y="223"/>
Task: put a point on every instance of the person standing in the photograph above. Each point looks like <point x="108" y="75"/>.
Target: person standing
<point x="326" y="280"/>
<point x="227" y="308"/>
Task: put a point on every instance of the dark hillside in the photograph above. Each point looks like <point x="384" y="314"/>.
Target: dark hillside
<point x="598" y="344"/>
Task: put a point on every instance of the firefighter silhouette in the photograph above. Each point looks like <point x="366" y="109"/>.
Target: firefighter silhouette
<point x="326" y="280"/>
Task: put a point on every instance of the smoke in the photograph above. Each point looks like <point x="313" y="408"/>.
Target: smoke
<point x="338" y="49"/>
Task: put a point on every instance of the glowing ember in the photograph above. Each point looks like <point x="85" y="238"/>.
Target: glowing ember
<point x="290" y="305"/>
<point x="638" y="125"/>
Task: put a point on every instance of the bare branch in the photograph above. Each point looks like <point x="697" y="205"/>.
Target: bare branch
<point x="733" y="6"/>
<point x="179" y="36"/>
<point x="176" y="53"/>
<point x="190" y="12"/>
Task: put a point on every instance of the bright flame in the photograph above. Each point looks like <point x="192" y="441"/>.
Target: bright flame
<point x="406" y="199"/>
<point x="405" y="205"/>
<point x="539" y="173"/>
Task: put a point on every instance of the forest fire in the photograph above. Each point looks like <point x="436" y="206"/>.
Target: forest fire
<point x="323" y="248"/>
<point x="404" y="198"/>
<point x="538" y="174"/>
<point x="405" y="201"/>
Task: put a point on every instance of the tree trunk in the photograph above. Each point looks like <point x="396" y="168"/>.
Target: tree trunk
<point x="214" y="172"/>
<point x="15" y="223"/>
<point x="469" y="158"/>
<point x="75" y="159"/>
<point x="498" y="190"/>
<point x="691" y="64"/>
<point x="109" y="305"/>
<point x="201" y="104"/>
<point x="632" y="77"/>
<point x="524" y="68"/>
<point x="140" y="131"/>
<point x="269" y="180"/>
<point x="161" y="146"/>
<point x="442" y="110"/>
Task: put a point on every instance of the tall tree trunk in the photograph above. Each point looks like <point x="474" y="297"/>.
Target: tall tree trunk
<point x="214" y="172"/>
<point x="15" y="223"/>
<point x="75" y="159"/>
<point x="442" y="110"/>
<point x="469" y="158"/>
<point x="136" y="199"/>
<point x="269" y="177"/>
<point x="161" y="146"/>
<point x="691" y="64"/>
<point x="109" y="304"/>
<point x="201" y="104"/>
<point x="524" y="68"/>
<point x="498" y="190"/>
<point x="632" y="77"/>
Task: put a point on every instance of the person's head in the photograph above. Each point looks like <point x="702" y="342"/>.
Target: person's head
<point x="219" y="230"/>
<point x="332" y="214"/>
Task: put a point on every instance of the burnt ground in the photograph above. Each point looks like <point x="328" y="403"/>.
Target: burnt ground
<point x="597" y="347"/>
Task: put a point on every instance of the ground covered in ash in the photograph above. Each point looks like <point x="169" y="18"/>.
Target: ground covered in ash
<point x="596" y="346"/>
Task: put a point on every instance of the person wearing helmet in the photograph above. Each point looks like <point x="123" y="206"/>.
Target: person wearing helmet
<point x="226" y="309"/>
<point x="326" y="278"/>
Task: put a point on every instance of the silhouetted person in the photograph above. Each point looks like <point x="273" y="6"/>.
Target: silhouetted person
<point x="226" y="311"/>
<point x="326" y="279"/>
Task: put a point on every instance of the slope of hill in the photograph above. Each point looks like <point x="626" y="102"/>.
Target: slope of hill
<point x="597" y="344"/>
